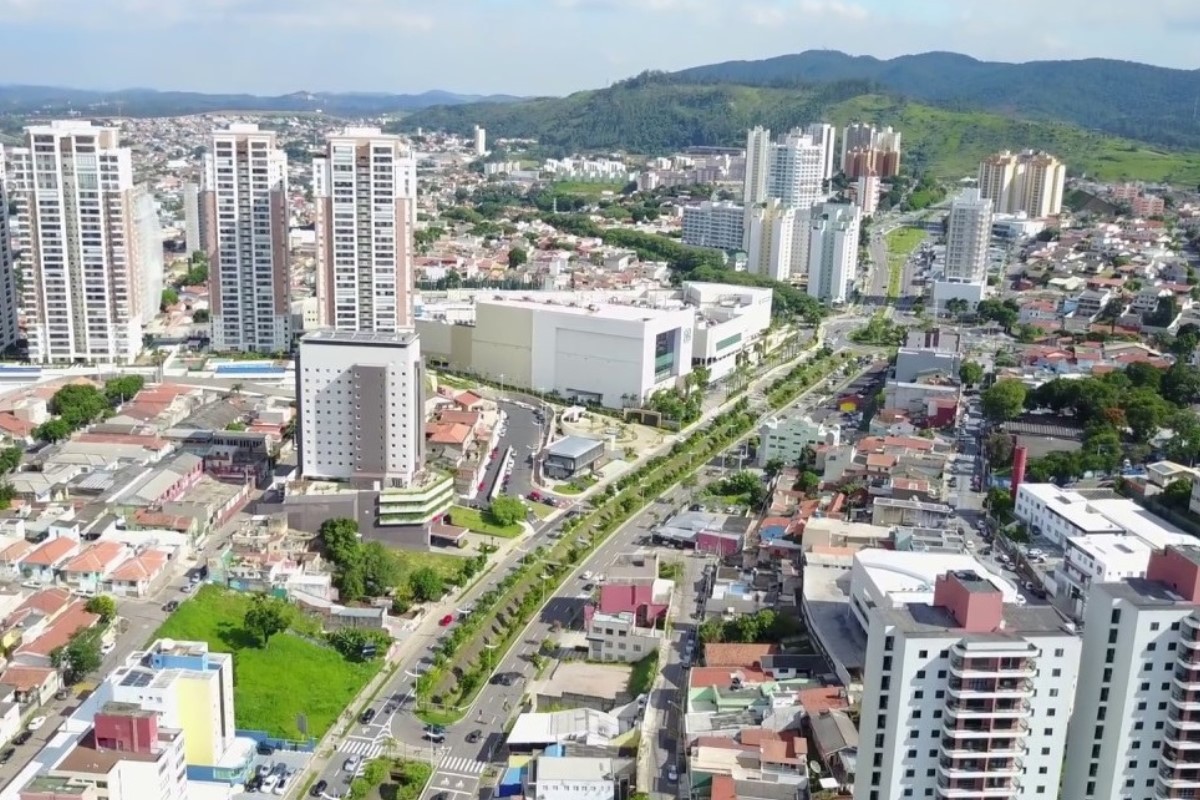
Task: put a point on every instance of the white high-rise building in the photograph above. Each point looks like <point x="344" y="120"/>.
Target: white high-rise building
<point x="8" y="290"/>
<point x="824" y="134"/>
<point x="965" y="696"/>
<point x="1135" y="729"/>
<point x="244" y="213"/>
<point x="968" y="236"/>
<point x="79" y="258"/>
<point x="719" y="225"/>
<point x="796" y="169"/>
<point x="365" y="188"/>
<point x="191" y="218"/>
<point x="148" y="281"/>
<point x="833" y="251"/>
<point x="758" y="148"/>
<point x="361" y="404"/>
<point x="771" y="235"/>
<point x="480" y="142"/>
<point x="1028" y="183"/>
<point x="866" y="194"/>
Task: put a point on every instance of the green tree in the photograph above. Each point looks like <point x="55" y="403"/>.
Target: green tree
<point x="506" y="511"/>
<point x="1178" y="493"/>
<point x="79" y="657"/>
<point x="103" y="605"/>
<point x="340" y="539"/>
<point x="200" y="316"/>
<point x="970" y="373"/>
<point x="426" y="584"/>
<point x="1145" y="411"/>
<point x="774" y="467"/>
<point x="119" y="390"/>
<point x="1184" y="444"/>
<point x="381" y="569"/>
<point x="79" y="404"/>
<point x="999" y="502"/>
<point x="52" y="430"/>
<point x="267" y="616"/>
<point x="1181" y="384"/>
<point x="10" y="459"/>
<point x="1142" y="374"/>
<point x="808" y="482"/>
<point x="169" y="298"/>
<point x="1003" y="400"/>
<point x="516" y="257"/>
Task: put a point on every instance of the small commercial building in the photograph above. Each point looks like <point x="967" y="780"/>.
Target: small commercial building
<point x="571" y="455"/>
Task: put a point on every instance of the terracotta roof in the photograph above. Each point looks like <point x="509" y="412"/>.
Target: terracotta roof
<point x="48" y="601"/>
<point x="703" y="677"/>
<point x="737" y="655"/>
<point x="26" y="679"/>
<point x="15" y="552"/>
<point x="723" y="788"/>
<point x="824" y="698"/>
<point x="52" y="552"/>
<point x="882" y="460"/>
<point x="74" y="619"/>
<point x="15" y="427"/>
<point x="468" y="399"/>
<point x="141" y="567"/>
<point x="148" y="442"/>
<point x="447" y="433"/>
<point x="459" y="416"/>
<point x="96" y="558"/>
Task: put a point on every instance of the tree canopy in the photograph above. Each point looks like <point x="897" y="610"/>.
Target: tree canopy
<point x="268" y="616"/>
<point x="1003" y="400"/>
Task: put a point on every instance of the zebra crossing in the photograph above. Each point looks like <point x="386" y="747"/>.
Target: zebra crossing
<point x="459" y="765"/>
<point x="361" y="747"/>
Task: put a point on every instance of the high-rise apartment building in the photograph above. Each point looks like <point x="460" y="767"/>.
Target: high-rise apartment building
<point x="856" y="136"/>
<point x="719" y="225"/>
<point x="1028" y="183"/>
<point x="244" y="220"/>
<point x="480" y="142"/>
<point x="1135" y="730"/>
<point x="191" y="218"/>
<point x="771" y="251"/>
<point x="361" y="404"/>
<point x="758" y="148"/>
<point x="824" y="134"/>
<point x="365" y="188"/>
<point x="80" y="260"/>
<point x="148" y="282"/>
<point x="867" y="150"/>
<point x="965" y="696"/>
<point x="833" y="251"/>
<point x="797" y="165"/>
<point x="866" y="193"/>
<point x="968" y="234"/>
<point x="8" y="290"/>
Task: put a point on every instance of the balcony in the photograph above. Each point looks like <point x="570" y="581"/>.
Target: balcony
<point x="978" y="787"/>
<point x="975" y="728"/>
<point x="1176" y="778"/>
<point x="1185" y="720"/>
<point x="1186" y="738"/>
<point x="989" y="687"/>
<point x="1187" y="677"/>
<point x="980" y="767"/>
<point x="1002" y="708"/>
<point x="978" y="748"/>
<point x="976" y="667"/>
<point x="1188" y="701"/>
<point x="1180" y="758"/>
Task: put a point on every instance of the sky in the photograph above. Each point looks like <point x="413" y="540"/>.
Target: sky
<point x="533" y="47"/>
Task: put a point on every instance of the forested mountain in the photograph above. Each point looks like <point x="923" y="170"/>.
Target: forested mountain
<point x="1136" y="101"/>
<point x="656" y="113"/>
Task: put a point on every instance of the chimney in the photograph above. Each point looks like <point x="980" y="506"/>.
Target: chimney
<point x="974" y="602"/>
<point x="1020" y="459"/>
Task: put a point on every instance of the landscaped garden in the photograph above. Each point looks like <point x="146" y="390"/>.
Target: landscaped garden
<point x="275" y="682"/>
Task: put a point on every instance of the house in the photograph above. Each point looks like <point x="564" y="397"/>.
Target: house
<point x="41" y="566"/>
<point x="86" y="572"/>
<point x="10" y="713"/>
<point x="136" y="576"/>
<point x="836" y="740"/>
<point x="38" y="651"/>
<point x="628" y="622"/>
<point x="31" y="686"/>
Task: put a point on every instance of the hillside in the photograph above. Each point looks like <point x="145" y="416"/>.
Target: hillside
<point x="48" y="101"/>
<point x="656" y="115"/>
<point x="1138" y="101"/>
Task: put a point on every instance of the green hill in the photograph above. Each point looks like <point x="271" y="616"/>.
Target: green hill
<point x="653" y="114"/>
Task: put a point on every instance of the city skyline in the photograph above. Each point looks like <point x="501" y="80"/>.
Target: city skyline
<point x="371" y="45"/>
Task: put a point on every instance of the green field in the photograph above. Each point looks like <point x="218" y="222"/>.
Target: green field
<point x="900" y="243"/>
<point x="474" y="520"/>
<point x="586" y="188"/>
<point x="445" y="564"/>
<point x="272" y="685"/>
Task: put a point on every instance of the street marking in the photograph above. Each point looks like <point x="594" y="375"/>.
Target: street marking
<point x="362" y="748"/>
<point x="466" y="766"/>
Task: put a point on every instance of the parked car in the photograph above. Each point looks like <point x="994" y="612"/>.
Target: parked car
<point x="446" y="621"/>
<point x="270" y="782"/>
<point x="36" y="723"/>
<point x="264" y="749"/>
<point x="7" y="755"/>
<point x="319" y="788"/>
<point x="23" y="737"/>
<point x="170" y="606"/>
<point x="187" y="588"/>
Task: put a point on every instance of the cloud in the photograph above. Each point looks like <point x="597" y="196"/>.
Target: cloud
<point x="377" y="14"/>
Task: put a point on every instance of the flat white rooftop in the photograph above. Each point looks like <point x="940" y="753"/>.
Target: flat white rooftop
<point x="1117" y="552"/>
<point x="628" y="313"/>
<point x="1132" y="518"/>
<point x="1071" y="506"/>
<point x="909" y="577"/>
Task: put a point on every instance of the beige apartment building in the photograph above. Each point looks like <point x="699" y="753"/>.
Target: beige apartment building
<point x="1030" y="182"/>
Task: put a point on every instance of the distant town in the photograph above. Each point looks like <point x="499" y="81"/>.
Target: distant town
<point x="349" y="464"/>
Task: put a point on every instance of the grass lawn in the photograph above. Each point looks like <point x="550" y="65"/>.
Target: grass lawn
<point x="569" y="488"/>
<point x="316" y="681"/>
<point x="901" y="243"/>
<point x="541" y="510"/>
<point x="585" y="188"/>
<point x="642" y="676"/>
<point x="475" y="521"/>
<point x="446" y="565"/>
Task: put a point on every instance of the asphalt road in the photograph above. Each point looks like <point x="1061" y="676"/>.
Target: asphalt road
<point x="523" y="433"/>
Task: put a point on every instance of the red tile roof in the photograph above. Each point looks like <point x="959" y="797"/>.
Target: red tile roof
<point x="824" y="698"/>
<point x="141" y="567"/>
<point x="47" y="601"/>
<point x="52" y="552"/>
<point x="737" y="655"/>
<point x="27" y="679"/>
<point x="96" y="558"/>
<point x="74" y="619"/>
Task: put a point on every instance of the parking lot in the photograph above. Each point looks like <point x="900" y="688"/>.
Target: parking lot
<point x="275" y="773"/>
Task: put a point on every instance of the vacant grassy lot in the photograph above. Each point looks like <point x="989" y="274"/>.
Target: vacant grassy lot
<point x="272" y="685"/>
<point x="901" y="243"/>
<point x="478" y="522"/>
<point x="446" y="564"/>
<point x="585" y="189"/>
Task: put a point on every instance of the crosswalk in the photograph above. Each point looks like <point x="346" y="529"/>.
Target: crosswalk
<point x="361" y="747"/>
<point x="466" y="766"/>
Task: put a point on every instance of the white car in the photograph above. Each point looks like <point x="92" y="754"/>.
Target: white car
<point x="36" y="723"/>
<point x="107" y="648"/>
<point x="672" y="774"/>
<point x="269" y="783"/>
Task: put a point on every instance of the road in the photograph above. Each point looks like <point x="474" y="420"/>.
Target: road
<point x="522" y="432"/>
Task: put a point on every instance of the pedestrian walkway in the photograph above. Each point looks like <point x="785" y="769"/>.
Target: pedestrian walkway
<point x="361" y="747"/>
<point x="465" y="766"/>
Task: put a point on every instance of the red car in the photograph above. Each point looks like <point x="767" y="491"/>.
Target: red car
<point x="446" y="620"/>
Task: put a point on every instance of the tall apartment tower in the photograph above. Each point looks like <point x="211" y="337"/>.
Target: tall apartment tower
<point x="796" y="168"/>
<point x="191" y="218"/>
<point x="1135" y="729"/>
<point x="148" y="233"/>
<point x="758" y="148"/>
<point x="833" y="251"/>
<point x="969" y="231"/>
<point x="824" y="134"/>
<point x="1023" y="183"/>
<point x="365" y="189"/>
<point x="480" y="142"/>
<point x="771" y="247"/>
<point x="244" y="219"/>
<point x="856" y="136"/>
<point x="9" y="300"/>
<point x="80" y="265"/>
<point x="866" y="193"/>
<point x="965" y="696"/>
